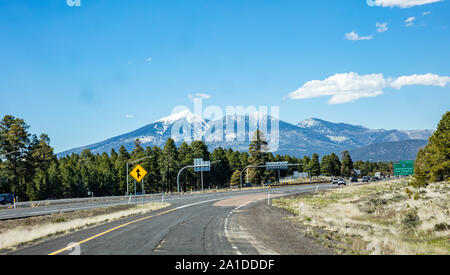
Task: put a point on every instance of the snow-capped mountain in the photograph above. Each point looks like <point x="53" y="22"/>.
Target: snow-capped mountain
<point x="308" y="137"/>
<point x="359" y="136"/>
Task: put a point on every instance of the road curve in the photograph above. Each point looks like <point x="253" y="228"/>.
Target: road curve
<point x="193" y="225"/>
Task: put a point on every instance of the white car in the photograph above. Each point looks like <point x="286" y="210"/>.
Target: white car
<point x="342" y="182"/>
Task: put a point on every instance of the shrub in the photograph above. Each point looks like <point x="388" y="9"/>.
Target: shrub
<point x="408" y="192"/>
<point x="441" y="227"/>
<point x="411" y="220"/>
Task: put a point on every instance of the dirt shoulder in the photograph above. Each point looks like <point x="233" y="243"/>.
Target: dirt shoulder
<point x="27" y="231"/>
<point x="275" y="229"/>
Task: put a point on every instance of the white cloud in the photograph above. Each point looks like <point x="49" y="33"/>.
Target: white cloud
<point x="128" y="116"/>
<point x="424" y="79"/>
<point x="410" y="21"/>
<point x="353" y="36"/>
<point x="401" y="3"/>
<point x="349" y="87"/>
<point x="426" y="13"/>
<point x="343" y="88"/>
<point x="200" y="95"/>
<point x="382" y="27"/>
<point x="149" y="59"/>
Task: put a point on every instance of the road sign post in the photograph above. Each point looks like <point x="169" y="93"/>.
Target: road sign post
<point x="199" y="166"/>
<point x="133" y="162"/>
<point x="138" y="173"/>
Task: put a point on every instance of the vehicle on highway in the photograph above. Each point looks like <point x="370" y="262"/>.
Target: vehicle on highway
<point x="366" y="179"/>
<point x="342" y="182"/>
<point x="354" y="179"/>
<point x="246" y="185"/>
<point x="373" y="179"/>
<point x="269" y="183"/>
<point x="378" y="175"/>
<point x="334" y="180"/>
<point x="6" y="198"/>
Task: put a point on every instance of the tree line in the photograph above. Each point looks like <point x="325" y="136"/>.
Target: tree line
<point x="30" y="169"/>
<point x="433" y="161"/>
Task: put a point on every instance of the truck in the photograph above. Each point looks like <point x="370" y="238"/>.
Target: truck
<point x="378" y="175"/>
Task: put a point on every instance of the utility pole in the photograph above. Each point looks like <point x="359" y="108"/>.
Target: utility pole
<point x="202" y="180"/>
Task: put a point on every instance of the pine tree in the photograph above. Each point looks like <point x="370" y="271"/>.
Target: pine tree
<point x="42" y="157"/>
<point x="14" y="142"/>
<point x="314" y="165"/>
<point x="221" y="171"/>
<point x="335" y="165"/>
<point x="433" y="162"/>
<point x="236" y="178"/>
<point x="186" y="158"/>
<point x="257" y="150"/>
<point x="120" y="166"/>
<point x="326" y="166"/>
<point x="169" y="161"/>
<point x="346" y="164"/>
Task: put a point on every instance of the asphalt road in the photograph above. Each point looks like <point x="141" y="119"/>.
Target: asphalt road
<point x="205" y="224"/>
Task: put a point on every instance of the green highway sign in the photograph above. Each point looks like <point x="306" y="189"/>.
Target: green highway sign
<point x="404" y="168"/>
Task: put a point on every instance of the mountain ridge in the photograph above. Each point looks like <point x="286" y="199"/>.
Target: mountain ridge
<point x="307" y="137"/>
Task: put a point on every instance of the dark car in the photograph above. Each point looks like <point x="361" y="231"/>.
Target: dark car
<point x="366" y="179"/>
<point x="269" y="183"/>
<point x="354" y="179"/>
<point x="246" y="185"/>
<point x="6" y="198"/>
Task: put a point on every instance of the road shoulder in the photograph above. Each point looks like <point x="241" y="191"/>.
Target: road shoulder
<point x="272" y="227"/>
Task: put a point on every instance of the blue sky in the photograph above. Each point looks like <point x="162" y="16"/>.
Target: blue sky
<point x="84" y="74"/>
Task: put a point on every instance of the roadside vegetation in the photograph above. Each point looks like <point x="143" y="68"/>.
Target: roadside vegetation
<point x="14" y="233"/>
<point x="433" y="161"/>
<point x="408" y="216"/>
<point x="379" y="218"/>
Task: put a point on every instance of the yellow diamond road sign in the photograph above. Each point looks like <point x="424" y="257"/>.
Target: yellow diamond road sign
<point x="138" y="173"/>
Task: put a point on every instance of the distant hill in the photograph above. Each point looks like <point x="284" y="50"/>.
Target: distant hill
<point x="389" y="151"/>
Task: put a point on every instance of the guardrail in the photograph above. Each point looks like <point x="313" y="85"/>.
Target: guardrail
<point x="77" y="200"/>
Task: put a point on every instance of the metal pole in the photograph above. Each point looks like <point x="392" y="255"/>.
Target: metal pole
<point x="142" y="191"/>
<point x="310" y="176"/>
<point x="202" y="180"/>
<point x="127" y="181"/>
<point x="178" y="176"/>
<point x="133" y="163"/>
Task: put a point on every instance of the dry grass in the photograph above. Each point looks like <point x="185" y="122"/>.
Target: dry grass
<point x="380" y="218"/>
<point x="17" y="232"/>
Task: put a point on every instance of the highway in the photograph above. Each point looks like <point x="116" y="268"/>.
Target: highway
<point x="203" y="224"/>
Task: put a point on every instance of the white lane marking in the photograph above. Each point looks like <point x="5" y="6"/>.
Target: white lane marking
<point x="227" y="234"/>
<point x="254" y="242"/>
<point x="197" y="203"/>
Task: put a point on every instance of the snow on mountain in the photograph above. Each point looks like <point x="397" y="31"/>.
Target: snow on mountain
<point x="308" y="137"/>
<point x="359" y="136"/>
<point x="186" y="115"/>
